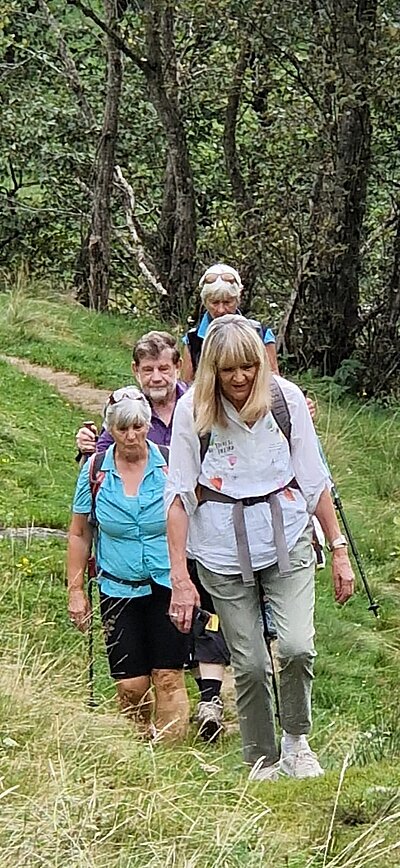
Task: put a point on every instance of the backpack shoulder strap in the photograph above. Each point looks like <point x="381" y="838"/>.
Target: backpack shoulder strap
<point x="280" y="409"/>
<point x="195" y="345"/>
<point x="164" y="452"/>
<point x="204" y="444"/>
<point x="96" y="478"/>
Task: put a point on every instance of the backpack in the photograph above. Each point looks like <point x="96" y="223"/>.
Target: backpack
<point x="279" y="410"/>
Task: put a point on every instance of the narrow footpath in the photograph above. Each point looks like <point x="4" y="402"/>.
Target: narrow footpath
<point x="73" y="390"/>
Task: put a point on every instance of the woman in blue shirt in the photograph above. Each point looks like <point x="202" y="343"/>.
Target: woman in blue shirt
<point x="144" y="648"/>
<point x="220" y="291"/>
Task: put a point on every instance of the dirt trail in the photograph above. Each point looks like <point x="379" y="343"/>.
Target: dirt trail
<point x="92" y="400"/>
<point x="69" y="386"/>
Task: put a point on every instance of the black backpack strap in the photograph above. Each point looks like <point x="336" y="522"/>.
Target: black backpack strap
<point x="164" y="452"/>
<point x="280" y="409"/>
<point x="195" y="345"/>
<point x="204" y="444"/>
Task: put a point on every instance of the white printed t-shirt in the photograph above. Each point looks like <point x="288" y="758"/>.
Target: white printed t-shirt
<point x="245" y="462"/>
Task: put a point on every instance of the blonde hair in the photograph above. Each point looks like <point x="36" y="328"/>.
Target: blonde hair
<point x="231" y="341"/>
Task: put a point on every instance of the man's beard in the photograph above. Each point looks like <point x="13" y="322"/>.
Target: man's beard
<point x="162" y="394"/>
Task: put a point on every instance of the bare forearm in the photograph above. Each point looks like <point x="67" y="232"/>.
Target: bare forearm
<point x="184" y="594"/>
<point x="270" y="350"/>
<point x="326" y="516"/>
<point x="78" y="553"/>
<point x="177" y="531"/>
<point x="187" y="372"/>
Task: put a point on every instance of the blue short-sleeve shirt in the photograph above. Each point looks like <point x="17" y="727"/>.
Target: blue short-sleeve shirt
<point x="132" y="541"/>
<point x="268" y="335"/>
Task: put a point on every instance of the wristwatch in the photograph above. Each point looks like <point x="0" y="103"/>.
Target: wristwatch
<point x="338" y="543"/>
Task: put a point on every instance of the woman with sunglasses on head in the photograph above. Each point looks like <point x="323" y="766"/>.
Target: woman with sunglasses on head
<point x="126" y="506"/>
<point x="220" y="291"/>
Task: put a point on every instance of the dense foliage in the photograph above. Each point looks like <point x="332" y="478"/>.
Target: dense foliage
<point x="262" y="133"/>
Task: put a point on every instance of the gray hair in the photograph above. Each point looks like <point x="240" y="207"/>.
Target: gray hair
<point x="220" y="288"/>
<point x="125" y="407"/>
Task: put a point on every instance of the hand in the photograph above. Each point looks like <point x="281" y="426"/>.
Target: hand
<point x="342" y="574"/>
<point x="312" y="408"/>
<point x="183" y="599"/>
<point x="86" y="438"/>
<point x="79" y="610"/>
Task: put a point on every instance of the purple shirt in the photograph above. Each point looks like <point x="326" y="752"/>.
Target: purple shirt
<point x="159" y="433"/>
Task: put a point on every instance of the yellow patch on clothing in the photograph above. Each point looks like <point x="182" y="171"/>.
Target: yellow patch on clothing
<point x="213" y="624"/>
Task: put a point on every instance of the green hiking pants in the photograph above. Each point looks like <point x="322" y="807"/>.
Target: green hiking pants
<point x="292" y="602"/>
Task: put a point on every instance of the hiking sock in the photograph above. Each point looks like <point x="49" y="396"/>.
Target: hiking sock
<point x="210" y="687"/>
<point x="294" y="743"/>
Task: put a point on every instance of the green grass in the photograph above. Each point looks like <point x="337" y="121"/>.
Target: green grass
<point x="65" y="336"/>
<point x="76" y="787"/>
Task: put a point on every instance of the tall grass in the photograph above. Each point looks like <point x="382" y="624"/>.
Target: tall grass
<point x="77" y="787"/>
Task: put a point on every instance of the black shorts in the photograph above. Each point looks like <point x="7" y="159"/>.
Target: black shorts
<point x="140" y="636"/>
<point x="211" y="646"/>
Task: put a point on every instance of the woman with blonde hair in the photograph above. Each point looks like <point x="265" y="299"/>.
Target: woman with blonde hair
<point x="239" y="498"/>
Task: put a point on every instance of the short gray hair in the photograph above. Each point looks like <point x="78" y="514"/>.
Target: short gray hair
<point x="125" y="407"/>
<point x="220" y="288"/>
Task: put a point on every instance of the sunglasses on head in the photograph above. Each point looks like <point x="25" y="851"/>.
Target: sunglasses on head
<point x="130" y="394"/>
<point x="211" y="278"/>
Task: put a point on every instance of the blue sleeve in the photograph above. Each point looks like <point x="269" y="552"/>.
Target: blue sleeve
<point x="105" y="440"/>
<point x="185" y="340"/>
<point x="269" y="337"/>
<point x="82" y="502"/>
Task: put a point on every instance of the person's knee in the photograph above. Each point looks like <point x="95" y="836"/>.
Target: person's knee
<point x="296" y="650"/>
<point x="172" y="704"/>
<point x="133" y="692"/>
<point x="251" y="669"/>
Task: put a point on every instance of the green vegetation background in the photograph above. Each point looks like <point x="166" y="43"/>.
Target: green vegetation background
<point x="76" y="787"/>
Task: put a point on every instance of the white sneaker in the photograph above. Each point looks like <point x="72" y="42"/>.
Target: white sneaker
<point x="264" y="773"/>
<point x="209" y="719"/>
<point x="302" y="764"/>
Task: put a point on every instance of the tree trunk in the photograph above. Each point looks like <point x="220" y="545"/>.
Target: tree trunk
<point x="161" y="76"/>
<point x="381" y="354"/>
<point x="324" y="323"/>
<point x="100" y="232"/>
<point x="250" y="219"/>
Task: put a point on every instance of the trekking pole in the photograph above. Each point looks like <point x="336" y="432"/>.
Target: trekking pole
<point x="268" y="640"/>
<point x="91" y="578"/>
<point x="337" y="502"/>
<point x="91" y="568"/>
